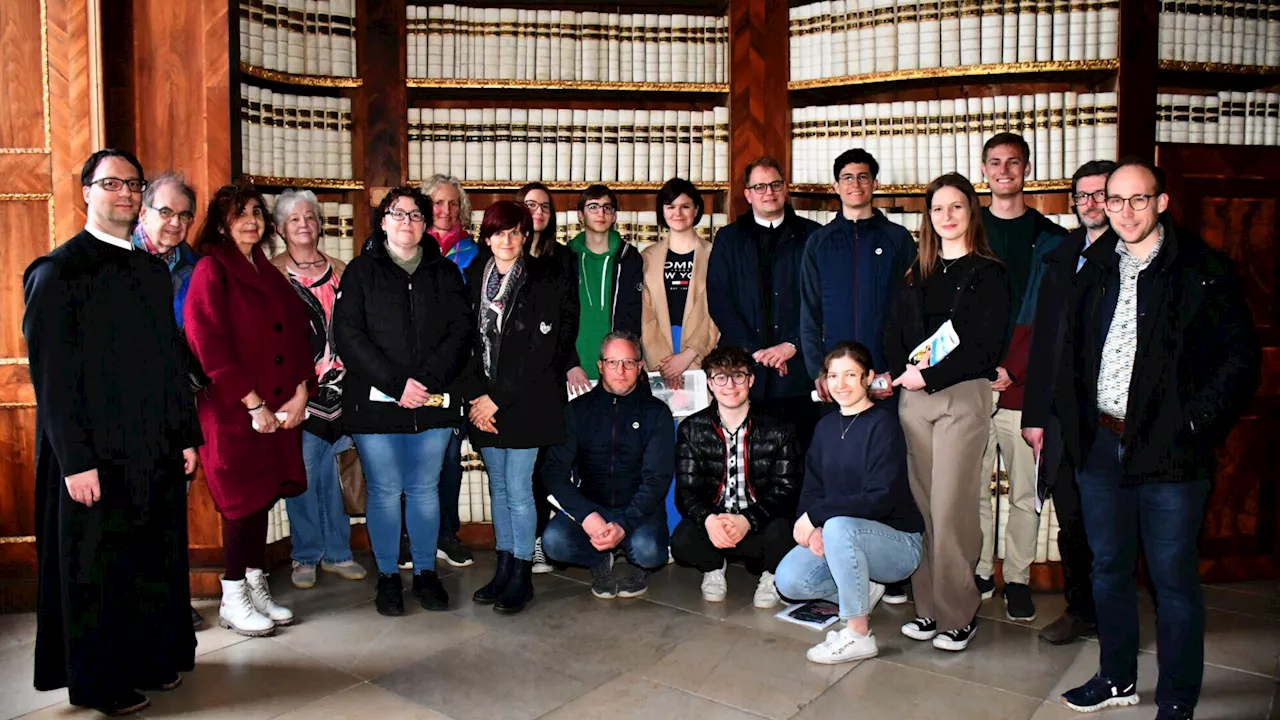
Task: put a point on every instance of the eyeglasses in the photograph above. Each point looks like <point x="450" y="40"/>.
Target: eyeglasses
<point x="1099" y="197"/>
<point x="1139" y="203"/>
<point x="762" y="188"/>
<point x="598" y="208"/>
<point x="624" y="363"/>
<point x="113" y="184"/>
<point x="860" y="179"/>
<point x="401" y="216"/>
<point x="738" y="378"/>
<point x="535" y="206"/>
<point x="185" y="217"/>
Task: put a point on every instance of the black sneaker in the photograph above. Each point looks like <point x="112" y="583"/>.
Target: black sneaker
<point x="451" y="550"/>
<point x="406" y="553"/>
<point x="1100" y="693"/>
<point x="603" y="585"/>
<point x="958" y="639"/>
<point x="390" y="598"/>
<point x="1018" y="606"/>
<point x="430" y="593"/>
<point x="1174" y="712"/>
<point x="128" y="703"/>
<point x="921" y="628"/>
<point x="895" y="593"/>
<point x="986" y="586"/>
<point x="635" y="584"/>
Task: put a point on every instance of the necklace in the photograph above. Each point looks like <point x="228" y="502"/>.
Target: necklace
<point x="947" y="265"/>
<point x="845" y="428"/>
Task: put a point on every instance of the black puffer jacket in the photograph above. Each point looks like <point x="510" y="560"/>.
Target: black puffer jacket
<point x="390" y="326"/>
<point x="775" y="467"/>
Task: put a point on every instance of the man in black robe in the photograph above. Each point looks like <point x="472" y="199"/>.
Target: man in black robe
<point x="115" y="436"/>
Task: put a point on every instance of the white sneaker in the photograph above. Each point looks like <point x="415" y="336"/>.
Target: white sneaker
<point x="540" y="564"/>
<point x="843" y="646"/>
<point x="766" y="594"/>
<point x="237" y="613"/>
<point x="714" y="586"/>
<point x="877" y="592"/>
<point x="260" y="595"/>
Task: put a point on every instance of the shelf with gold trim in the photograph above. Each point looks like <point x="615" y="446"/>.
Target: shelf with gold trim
<point x="1180" y="74"/>
<point x="500" y="185"/>
<point x="902" y="190"/>
<point x="308" y="183"/>
<point x="564" y="85"/>
<point x="957" y="72"/>
<point x="308" y="80"/>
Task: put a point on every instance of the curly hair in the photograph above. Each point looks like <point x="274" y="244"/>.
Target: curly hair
<point x="227" y="203"/>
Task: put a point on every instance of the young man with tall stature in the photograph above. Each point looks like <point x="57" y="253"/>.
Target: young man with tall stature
<point x="1019" y="236"/>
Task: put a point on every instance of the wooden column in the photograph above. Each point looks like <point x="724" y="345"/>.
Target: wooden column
<point x="381" y="42"/>
<point x="759" y="110"/>
<point x="1136" y="81"/>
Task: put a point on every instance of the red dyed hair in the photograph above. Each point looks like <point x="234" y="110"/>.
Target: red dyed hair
<point x="505" y="215"/>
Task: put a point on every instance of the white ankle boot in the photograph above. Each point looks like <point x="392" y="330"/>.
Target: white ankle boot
<point x="260" y="594"/>
<point x="237" y="613"/>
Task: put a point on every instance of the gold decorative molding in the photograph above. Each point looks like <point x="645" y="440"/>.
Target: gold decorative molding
<point x="1226" y="68"/>
<point x="24" y="197"/>
<point x="44" y="80"/>
<point x="1031" y="186"/>
<point x="309" y="183"/>
<point x="496" y="84"/>
<point x="25" y="151"/>
<point x="16" y="406"/>
<point x="961" y="71"/>
<point x="15" y="361"/>
<point x="17" y="539"/>
<point x="310" y="80"/>
<point x="499" y="185"/>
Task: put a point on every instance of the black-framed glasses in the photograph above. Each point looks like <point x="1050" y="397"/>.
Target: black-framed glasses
<point x="113" y="184"/>
<point x="721" y="379"/>
<point x="536" y="206"/>
<point x="597" y="208"/>
<point x="860" y="179"/>
<point x="761" y="188"/>
<point x="1099" y="197"/>
<point x="1115" y="203"/>
<point x="624" y="363"/>
<point x="401" y="215"/>
<point x="185" y="217"/>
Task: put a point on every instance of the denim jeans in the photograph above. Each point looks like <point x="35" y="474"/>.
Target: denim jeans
<point x="1167" y="517"/>
<point x="451" y="483"/>
<point x="319" y="527"/>
<point x="855" y="551"/>
<point x="407" y="463"/>
<point x="515" y="521"/>
<point x="565" y="541"/>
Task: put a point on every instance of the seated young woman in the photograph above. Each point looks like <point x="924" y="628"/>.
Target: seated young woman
<point x="859" y="526"/>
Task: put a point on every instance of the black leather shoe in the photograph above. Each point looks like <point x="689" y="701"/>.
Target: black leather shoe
<point x="490" y="593"/>
<point x="1067" y="629"/>
<point x="390" y="599"/>
<point x="172" y="683"/>
<point x="519" y="590"/>
<point x="431" y="594"/>
<point x="127" y="704"/>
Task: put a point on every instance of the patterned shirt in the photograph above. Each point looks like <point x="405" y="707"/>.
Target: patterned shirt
<point x="735" y="497"/>
<point x="1116" y="369"/>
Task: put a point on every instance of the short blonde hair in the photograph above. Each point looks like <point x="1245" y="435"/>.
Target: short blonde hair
<point x="435" y="182"/>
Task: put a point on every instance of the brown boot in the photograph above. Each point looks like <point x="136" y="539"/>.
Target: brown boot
<point x="1068" y="629"/>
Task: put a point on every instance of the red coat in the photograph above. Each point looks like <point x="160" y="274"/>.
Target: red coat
<point x="250" y="331"/>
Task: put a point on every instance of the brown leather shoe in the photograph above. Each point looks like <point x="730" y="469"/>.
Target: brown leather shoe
<point x="1068" y="629"/>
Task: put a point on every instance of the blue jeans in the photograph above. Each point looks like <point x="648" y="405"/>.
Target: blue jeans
<point x="407" y="463"/>
<point x="855" y="552"/>
<point x="319" y="527"/>
<point x="515" y="521"/>
<point x="1167" y="517"/>
<point x="565" y="541"/>
<point x="451" y="483"/>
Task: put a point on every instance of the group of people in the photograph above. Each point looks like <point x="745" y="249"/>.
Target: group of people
<point x="1113" y="358"/>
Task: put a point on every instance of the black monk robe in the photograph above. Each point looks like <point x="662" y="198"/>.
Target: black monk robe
<point x="113" y="599"/>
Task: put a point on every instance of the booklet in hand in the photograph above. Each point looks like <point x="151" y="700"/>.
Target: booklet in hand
<point x="937" y="346"/>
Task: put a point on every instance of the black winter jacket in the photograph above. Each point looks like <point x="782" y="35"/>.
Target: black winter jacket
<point x="390" y="326"/>
<point x="1044" y="358"/>
<point x="537" y="337"/>
<point x="775" y="467"/>
<point x="1196" y="366"/>
<point x="618" y="452"/>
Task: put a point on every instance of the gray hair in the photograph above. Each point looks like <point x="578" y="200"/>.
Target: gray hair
<point x="625" y="336"/>
<point x="286" y="203"/>
<point x="435" y="182"/>
<point x="168" y="177"/>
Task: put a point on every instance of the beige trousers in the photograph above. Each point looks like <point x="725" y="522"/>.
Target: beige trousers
<point x="1022" y="531"/>
<point x="946" y="435"/>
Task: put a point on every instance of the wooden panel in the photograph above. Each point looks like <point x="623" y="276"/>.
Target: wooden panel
<point x="21" y="87"/>
<point x="17" y="448"/>
<point x="26" y="224"/>
<point x="27" y="173"/>
<point x="381" y="40"/>
<point x="759" y="118"/>
<point x="70" y="136"/>
<point x="1136" y="108"/>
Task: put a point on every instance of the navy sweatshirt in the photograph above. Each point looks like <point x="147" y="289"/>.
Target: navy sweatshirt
<point x="863" y="475"/>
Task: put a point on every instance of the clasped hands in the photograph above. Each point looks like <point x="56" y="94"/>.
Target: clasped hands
<point x="726" y="530"/>
<point x="806" y="535"/>
<point x="604" y="535"/>
<point x="775" y="357"/>
<point x="483" y="410"/>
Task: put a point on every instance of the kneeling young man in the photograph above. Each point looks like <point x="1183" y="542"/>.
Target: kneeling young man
<point x="738" y="473"/>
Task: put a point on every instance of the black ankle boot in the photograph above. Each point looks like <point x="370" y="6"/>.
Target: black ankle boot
<point x="430" y="593"/>
<point x="519" y="591"/>
<point x="390" y="599"/>
<point x="490" y="593"/>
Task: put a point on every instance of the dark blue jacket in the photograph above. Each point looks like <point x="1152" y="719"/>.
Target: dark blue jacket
<point x="618" y="453"/>
<point x="735" y="296"/>
<point x="847" y="280"/>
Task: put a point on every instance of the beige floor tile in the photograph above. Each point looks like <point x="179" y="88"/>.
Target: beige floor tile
<point x="885" y="621"/>
<point x="1232" y="640"/>
<point x="17" y="629"/>
<point x="631" y="697"/>
<point x="549" y="591"/>
<point x="1049" y="607"/>
<point x="63" y="711"/>
<point x="360" y="703"/>
<point x="1245" y="601"/>
<point x="214" y="638"/>
<point x="748" y="669"/>
<point x="878" y="689"/>
<point x="330" y="594"/>
<point x="17" y="695"/>
<point x="681" y="587"/>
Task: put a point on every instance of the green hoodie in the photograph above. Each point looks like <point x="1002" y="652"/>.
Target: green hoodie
<point x="595" y="288"/>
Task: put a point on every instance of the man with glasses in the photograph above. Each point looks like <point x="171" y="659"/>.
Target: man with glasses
<point x="610" y="279"/>
<point x="611" y="474"/>
<point x="753" y="293"/>
<point x="1160" y="359"/>
<point x="738" y="476"/>
<point x="115" y="437"/>
<point x="1020" y="237"/>
<point x="1040" y="428"/>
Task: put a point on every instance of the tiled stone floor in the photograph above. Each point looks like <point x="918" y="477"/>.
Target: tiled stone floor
<point x="666" y="655"/>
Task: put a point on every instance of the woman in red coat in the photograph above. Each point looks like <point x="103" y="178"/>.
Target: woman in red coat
<point x="251" y="334"/>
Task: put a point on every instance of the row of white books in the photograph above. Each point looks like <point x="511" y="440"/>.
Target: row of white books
<point x="337" y="229"/>
<point x="1228" y="118"/>
<point x="474" y="505"/>
<point x="638" y="228"/>
<point x="456" y="41"/>
<point x="915" y="142"/>
<point x="302" y="37"/>
<point x="911" y="221"/>
<point x="1235" y="32"/>
<point x="518" y="144"/>
<point x="835" y="38"/>
<point x="294" y="136"/>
